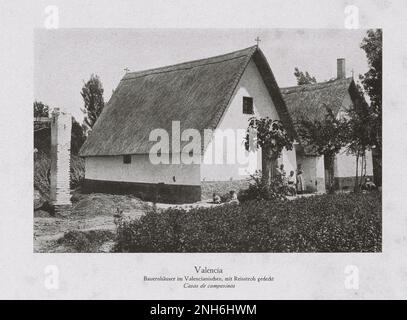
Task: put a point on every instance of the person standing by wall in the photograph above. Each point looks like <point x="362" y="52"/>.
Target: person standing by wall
<point x="291" y="181"/>
<point x="300" y="180"/>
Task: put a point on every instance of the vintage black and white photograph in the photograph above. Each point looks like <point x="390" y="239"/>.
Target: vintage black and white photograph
<point x="207" y="140"/>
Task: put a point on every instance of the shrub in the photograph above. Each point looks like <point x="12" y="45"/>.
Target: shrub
<point x="326" y="223"/>
<point x="259" y="189"/>
<point x="77" y="171"/>
<point x="42" y="172"/>
<point x="42" y="168"/>
<point x="85" y="241"/>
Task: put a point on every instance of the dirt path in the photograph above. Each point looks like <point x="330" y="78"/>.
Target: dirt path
<point x="49" y="230"/>
<point x="91" y="219"/>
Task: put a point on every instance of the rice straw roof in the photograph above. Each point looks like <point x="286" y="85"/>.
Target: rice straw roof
<point x="308" y="101"/>
<point x="196" y="93"/>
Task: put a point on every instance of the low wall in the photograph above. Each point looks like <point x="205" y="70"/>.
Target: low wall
<point x="346" y="183"/>
<point x="167" y="193"/>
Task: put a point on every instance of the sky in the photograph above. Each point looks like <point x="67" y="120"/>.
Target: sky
<point x="65" y="58"/>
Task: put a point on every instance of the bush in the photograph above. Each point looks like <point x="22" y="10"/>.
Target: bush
<point x="85" y="241"/>
<point x="326" y="223"/>
<point x="261" y="190"/>
<point x="42" y="168"/>
<point x="77" y="171"/>
<point x="42" y="172"/>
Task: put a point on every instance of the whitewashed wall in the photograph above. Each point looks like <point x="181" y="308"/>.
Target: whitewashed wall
<point x="289" y="159"/>
<point x="309" y="166"/>
<point x="345" y="165"/>
<point x="313" y="172"/>
<point x="251" y="85"/>
<point x="140" y="170"/>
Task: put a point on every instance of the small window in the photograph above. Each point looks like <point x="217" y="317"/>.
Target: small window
<point x="127" y="159"/>
<point x="247" y="105"/>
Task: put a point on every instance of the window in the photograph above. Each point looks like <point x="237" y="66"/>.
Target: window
<point x="247" y="105"/>
<point x="127" y="159"/>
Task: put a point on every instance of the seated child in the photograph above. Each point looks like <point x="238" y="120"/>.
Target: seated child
<point x="368" y="185"/>
<point x="216" y="198"/>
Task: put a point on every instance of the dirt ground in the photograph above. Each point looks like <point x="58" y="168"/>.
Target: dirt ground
<point x="91" y="219"/>
<point x="90" y="225"/>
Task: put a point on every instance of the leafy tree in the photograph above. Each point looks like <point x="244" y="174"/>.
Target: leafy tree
<point x="303" y="77"/>
<point x="92" y="94"/>
<point x="372" y="85"/>
<point x="325" y="138"/>
<point x="40" y="109"/>
<point x="271" y="136"/>
<point x="42" y="132"/>
<point x="78" y="136"/>
<point x="361" y="137"/>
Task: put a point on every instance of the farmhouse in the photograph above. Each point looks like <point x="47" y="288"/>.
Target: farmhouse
<point x="200" y="110"/>
<point x="219" y="94"/>
<point x="308" y="102"/>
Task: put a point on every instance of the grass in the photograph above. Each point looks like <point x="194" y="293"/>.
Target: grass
<point x="86" y="241"/>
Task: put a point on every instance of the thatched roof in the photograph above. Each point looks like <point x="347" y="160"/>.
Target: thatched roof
<point x="308" y="101"/>
<point x="195" y="93"/>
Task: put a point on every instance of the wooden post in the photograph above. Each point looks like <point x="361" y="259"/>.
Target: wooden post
<point x="61" y="124"/>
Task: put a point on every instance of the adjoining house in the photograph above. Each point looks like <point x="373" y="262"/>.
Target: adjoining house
<point x="219" y="93"/>
<point x="309" y="101"/>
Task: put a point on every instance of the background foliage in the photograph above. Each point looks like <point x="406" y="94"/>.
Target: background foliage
<point x="92" y="94"/>
<point x="304" y="77"/>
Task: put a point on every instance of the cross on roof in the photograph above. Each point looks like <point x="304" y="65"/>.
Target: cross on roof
<point x="257" y="40"/>
<point x="126" y="69"/>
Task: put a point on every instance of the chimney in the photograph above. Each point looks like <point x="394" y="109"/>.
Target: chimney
<point x="341" y="71"/>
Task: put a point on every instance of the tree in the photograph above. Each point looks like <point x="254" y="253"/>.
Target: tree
<point x="361" y="137"/>
<point x="325" y="138"/>
<point x="303" y="78"/>
<point x="78" y="136"/>
<point x="271" y="136"/>
<point x="372" y="85"/>
<point x="40" y="109"/>
<point x="92" y="94"/>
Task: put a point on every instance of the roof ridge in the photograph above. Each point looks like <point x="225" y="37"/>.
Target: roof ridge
<point x="142" y="73"/>
<point x="312" y="86"/>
